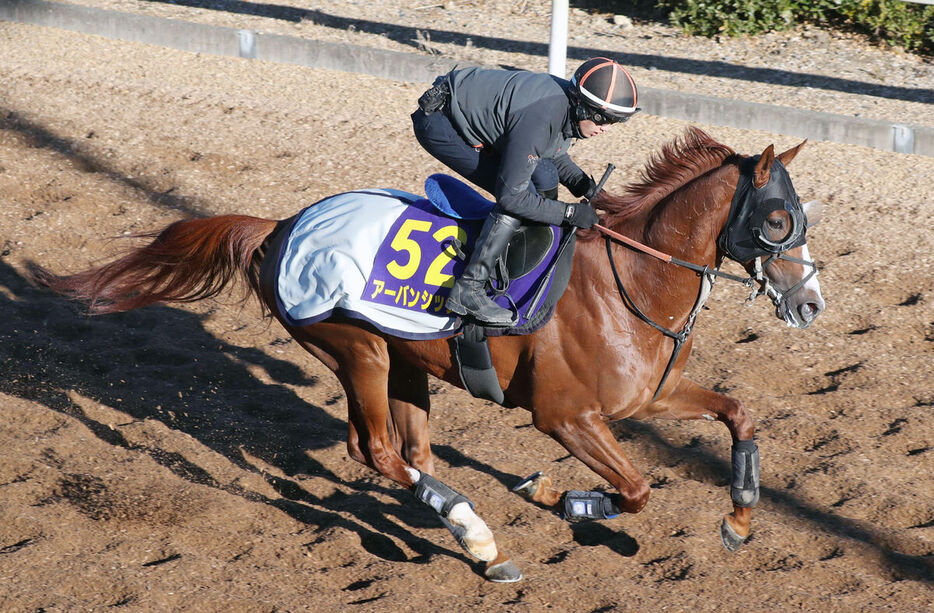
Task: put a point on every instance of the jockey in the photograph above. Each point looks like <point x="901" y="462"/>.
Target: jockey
<point x="508" y="132"/>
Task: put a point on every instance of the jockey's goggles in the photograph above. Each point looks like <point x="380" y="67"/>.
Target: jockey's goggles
<point x="602" y="118"/>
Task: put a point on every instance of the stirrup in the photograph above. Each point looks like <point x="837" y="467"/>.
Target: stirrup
<point x="481" y="309"/>
<point x="489" y="322"/>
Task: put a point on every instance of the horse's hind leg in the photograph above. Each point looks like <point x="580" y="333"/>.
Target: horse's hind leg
<point x="691" y="401"/>
<point x="361" y="360"/>
<point x="409" y="408"/>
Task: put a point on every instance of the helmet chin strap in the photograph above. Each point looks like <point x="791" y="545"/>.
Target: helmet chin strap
<point x="577" y="113"/>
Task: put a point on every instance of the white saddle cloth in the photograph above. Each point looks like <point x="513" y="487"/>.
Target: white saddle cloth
<point x="372" y="256"/>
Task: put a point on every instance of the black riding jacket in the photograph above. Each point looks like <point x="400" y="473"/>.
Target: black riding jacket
<point x="524" y="117"/>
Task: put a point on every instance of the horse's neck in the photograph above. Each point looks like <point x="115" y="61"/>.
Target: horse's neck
<point x="685" y="225"/>
<point x="688" y="222"/>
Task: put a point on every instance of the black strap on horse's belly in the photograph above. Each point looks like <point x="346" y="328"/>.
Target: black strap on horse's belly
<point x="475" y="365"/>
<point x="470" y="349"/>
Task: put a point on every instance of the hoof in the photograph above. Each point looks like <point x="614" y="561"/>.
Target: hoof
<point x="528" y="486"/>
<point x="731" y="540"/>
<point x="504" y="572"/>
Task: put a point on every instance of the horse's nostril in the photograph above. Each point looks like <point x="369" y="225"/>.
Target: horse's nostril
<point x="809" y="310"/>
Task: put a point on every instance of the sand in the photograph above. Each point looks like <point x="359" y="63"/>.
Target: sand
<point x="192" y="458"/>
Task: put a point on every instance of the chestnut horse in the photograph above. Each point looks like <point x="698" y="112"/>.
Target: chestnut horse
<point x="602" y="357"/>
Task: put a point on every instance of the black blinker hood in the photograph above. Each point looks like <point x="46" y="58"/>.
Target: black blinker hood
<point x="742" y="238"/>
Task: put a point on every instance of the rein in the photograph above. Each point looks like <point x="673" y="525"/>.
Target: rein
<point x="669" y="259"/>
<point x="708" y="275"/>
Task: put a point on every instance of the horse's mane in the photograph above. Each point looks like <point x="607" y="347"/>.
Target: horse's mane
<point x="685" y="158"/>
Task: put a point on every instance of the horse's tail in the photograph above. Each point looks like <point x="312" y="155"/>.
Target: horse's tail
<point x="189" y="260"/>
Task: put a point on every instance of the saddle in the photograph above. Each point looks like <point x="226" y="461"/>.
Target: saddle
<point x="529" y="278"/>
<point x="527" y="249"/>
<point x="388" y="257"/>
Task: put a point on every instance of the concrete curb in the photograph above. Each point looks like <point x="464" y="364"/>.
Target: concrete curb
<point x="216" y="40"/>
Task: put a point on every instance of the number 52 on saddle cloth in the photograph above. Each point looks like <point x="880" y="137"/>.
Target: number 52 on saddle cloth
<point x="390" y="258"/>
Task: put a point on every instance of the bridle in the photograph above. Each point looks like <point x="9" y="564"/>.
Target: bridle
<point x="759" y="283"/>
<point x="757" y="280"/>
<point x="779" y="298"/>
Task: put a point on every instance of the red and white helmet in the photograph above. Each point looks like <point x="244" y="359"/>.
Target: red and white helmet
<point x="605" y="91"/>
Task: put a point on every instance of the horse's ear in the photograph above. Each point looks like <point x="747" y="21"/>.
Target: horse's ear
<point x="761" y="174"/>
<point x="813" y="212"/>
<point x="786" y="156"/>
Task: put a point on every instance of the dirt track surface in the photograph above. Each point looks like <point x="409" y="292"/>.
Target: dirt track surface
<point x="806" y="68"/>
<point x="191" y="458"/>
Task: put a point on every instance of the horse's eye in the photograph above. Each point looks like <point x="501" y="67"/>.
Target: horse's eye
<point x="776" y="224"/>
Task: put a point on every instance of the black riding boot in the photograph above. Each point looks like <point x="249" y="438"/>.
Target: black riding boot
<point x="468" y="296"/>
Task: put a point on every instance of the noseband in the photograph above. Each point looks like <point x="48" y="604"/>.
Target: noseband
<point x="779" y="298"/>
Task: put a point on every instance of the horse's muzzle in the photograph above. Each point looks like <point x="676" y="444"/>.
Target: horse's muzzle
<point x="801" y="309"/>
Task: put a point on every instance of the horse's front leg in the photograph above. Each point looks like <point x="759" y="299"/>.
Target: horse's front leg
<point x="691" y="401"/>
<point x="590" y="440"/>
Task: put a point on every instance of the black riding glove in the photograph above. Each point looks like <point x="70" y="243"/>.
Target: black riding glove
<point x="584" y="187"/>
<point x="580" y="215"/>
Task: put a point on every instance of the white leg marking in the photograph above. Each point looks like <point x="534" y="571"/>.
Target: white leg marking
<point x="478" y="538"/>
<point x="414" y="474"/>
